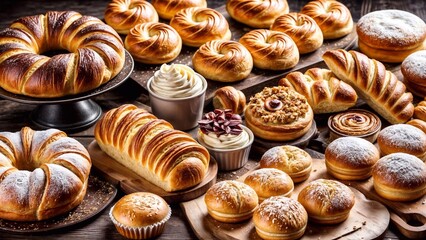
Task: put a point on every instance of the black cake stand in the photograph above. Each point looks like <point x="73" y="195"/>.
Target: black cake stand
<point x="70" y="113"/>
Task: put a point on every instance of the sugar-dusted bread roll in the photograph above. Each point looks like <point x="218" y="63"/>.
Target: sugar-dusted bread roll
<point x="229" y="98"/>
<point x="378" y="87"/>
<point x="168" y="8"/>
<point x="414" y="71"/>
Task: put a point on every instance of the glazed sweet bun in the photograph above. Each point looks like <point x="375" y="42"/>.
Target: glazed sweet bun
<point x="327" y="201"/>
<point x="168" y="8"/>
<point x="281" y="218"/>
<point x="229" y="98"/>
<point x="333" y="17"/>
<point x="351" y="158"/>
<point x="271" y="50"/>
<point x="296" y="162"/>
<point x="231" y="201"/>
<point x="268" y="182"/>
<point x="123" y="15"/>
<point x="402" y="138"/>
<point x="414" y="71"/>
<point x="390" y="35"/>
<point x="256" y="14"/>
<point x="198" y="25"/>
<point x="304" y="31"/>
<point x="223" y="61"/>
<point x="400" y="177"/>
<point x="153" y="43"/>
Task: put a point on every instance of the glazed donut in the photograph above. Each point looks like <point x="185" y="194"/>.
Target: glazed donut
<point x="153" y="43"/>
<point x="123" y="15"/>
<point x="168" y="8"/>
<point x="197" y="26"/>
<point x="334" y="18"/>
<point x="271" y="50"/>
<point x="278" y="114"/>
<point x="304" y="31"/>
<point x="256" y="14"/>
<point x="223" y="61"/>
<point x="229" y="98"/>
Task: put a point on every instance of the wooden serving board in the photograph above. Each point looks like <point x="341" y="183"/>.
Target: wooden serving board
<point x="131" y="182"/>
<point x="367" y="220"/>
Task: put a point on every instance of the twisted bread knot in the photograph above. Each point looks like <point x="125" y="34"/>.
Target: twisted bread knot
<point x="153" y="43"/>
<point x="123" y="15"/>
<point x="224" y="61"/>
<point x="271" y="49"/>
<point x="229" y="98"/>
<point x="304" y="31"/>
<point x="168" y="8"/>
<point x="334" y="18"/>
<point x="197" y="26"/>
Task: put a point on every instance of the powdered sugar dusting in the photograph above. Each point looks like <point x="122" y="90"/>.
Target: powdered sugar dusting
<point x="353" y="150"/>
<point x="415" y="65"/>
<point x="289" y="159"/>
<point x="403" y="136"/>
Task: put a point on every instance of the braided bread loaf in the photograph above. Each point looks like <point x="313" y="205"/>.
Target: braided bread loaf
<point x="42" y="174"/>
<point x="96" y="54"/>
<point x="168" y="158"/>
<point x="324" y="92"/>
<point x="378" y="87"/>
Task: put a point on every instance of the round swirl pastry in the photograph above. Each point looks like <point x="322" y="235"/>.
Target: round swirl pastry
<point x="168" y="8"/>
<point x="271" y="50"/>
<point x="327" y="201"/>
<point x="229" y="98"/>
<point x="197" y="26"/>
<point x="304" y="31"/>
<point x="153" y="43"/>
<point x="42" y="174"/>
<point x="355" y="122"/>
<point x="96" y="55"/>
<point x="334" y="18"/>
<point x="256" y="14"/>
<point x="123" y="15"/>
<point x="223" y="61"/>
<point x="278" y="114"/>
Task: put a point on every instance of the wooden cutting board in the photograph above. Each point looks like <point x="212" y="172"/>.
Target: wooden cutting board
<point x="368" y="219"/>
<point x="131" y="182"/>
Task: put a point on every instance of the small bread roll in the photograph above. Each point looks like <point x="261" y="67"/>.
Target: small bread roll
<point x="168" y="8"/>
<point x="231" y="201"/>
<point x="197" y="25"/>
<point x="304" y="31"/>
<point x="400" y="177"/>
<point x="418" y="123"/>
<point x="280" y="218"/>
<point x="351" y="158"/>
<point x="402" y="138"/>
<point x="420" y="110"/>
<point x="414" y="71"/>
<point x="268" y="182"/>
<point x="223" y="61"/>
<point x="327" y="201"/>
<point x="292" y="160"/>
<point x="271" y="50"/>
<point x="153" y="43"/>
<point x="123" y="15"/>
<point x="256" y="14"/>
<point x="229" y="98"/>
<point x="333" y="17"/>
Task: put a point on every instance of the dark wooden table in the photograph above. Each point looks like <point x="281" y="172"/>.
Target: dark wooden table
<point x="13" y="115"/>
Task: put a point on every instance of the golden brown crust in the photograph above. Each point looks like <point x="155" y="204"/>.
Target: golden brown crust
<point x="123" y="15"/>
<point x="271" y="50"/>
<point x="256" y="14"/>
<point x="168" y="8"/>
<point x="304" y="31"/>
<point x="420" y="124"/>
<point x="197" y="25"/>
<point x="229" y="98"/>
<point x="153" y="43"/>
<point x="413" y="71"/>
<point x="420" y="110"/>
<point x="388" y="55"/>
<point x="223" y="61"/>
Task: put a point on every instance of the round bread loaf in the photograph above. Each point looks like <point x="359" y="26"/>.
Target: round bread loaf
<point x="96" y="55"/>
<point x="123" y="15"/>
<point x="292" y="160"/>
<point x="304" y="31"/>
<point x="153" y="43"/>
<point x="280" y="218"/>
<point x="271" y="50"/>
<point x="327" y="201"/>
<point x="390" y="35"/>
<point x="400" y="177"/>
<point x="43" y="174"/>
<point x="231" y="201"/>
<point x="414" y="71"/>
<point x="351" y="158"/>
<point x="229" y="98"/>
<point x="168" y="8"/>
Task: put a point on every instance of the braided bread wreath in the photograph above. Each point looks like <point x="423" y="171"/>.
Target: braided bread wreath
<point x="96" y="54"/>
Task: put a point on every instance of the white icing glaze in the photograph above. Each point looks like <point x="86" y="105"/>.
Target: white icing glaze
<point x="225" y="141"/>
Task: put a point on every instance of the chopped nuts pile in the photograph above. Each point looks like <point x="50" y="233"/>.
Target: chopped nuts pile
<point x="221" y="122"/>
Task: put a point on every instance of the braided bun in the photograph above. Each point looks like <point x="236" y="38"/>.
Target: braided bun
<point x="168" y="8"/>
<point x="229" y="98"/>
